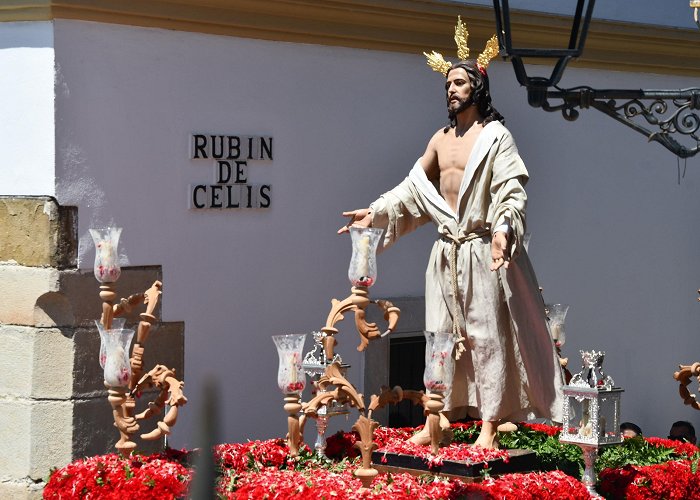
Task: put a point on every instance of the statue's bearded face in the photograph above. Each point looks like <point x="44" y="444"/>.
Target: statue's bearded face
<point x="459" y="91"/>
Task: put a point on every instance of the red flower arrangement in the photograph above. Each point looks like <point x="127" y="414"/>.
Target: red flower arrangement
<point x="253" y="455"/>
<point x="342" y="445"/>
<point x="285" y="484"/>
<point x="113" y="477"/>
<point x="681" y="448"/>
<point x="455" y="452"/>
<point x="554" y="485"/>
<point x="264" y="469"/>
<point x="672" y="480"/>
<point x="395" y="440"/>
<point x="550" y="430"/>
<point x="384" y="435"/>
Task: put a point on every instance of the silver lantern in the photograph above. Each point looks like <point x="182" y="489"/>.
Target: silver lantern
<point x="591" y="416"/>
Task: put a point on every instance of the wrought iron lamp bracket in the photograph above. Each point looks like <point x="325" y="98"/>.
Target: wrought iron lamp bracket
<point x="656" y="114"/>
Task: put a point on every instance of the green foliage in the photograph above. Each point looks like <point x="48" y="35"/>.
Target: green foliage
<point x="569" y="458"/>
<point x="310" y="459"/>
<point x="51" y="471"/>
<point x="633" y="451"/>
<point x="551" y="453"/>
<point x="543" y="440"/>
<point x="465" y="435"/>
<point x="230" y="478"/>
<point x="432" y="478"/>
<point x="128" y="473"/>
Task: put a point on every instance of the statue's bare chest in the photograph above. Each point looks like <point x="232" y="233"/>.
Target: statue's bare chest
<point x="454" y="152"/>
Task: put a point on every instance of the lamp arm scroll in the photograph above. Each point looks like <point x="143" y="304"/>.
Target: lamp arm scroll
<point x="682" y="121"/>
<point x="666" y="112"/>
<point x="358" y="302"/>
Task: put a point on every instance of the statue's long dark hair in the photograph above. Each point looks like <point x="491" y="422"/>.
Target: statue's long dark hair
<point x="480" y="96"/>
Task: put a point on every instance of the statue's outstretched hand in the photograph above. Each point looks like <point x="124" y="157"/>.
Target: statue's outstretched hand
<point x="360" y="218"/>
<point x="500" y="253"/>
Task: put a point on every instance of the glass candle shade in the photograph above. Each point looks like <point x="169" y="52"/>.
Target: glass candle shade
<point x="439" y="363"/>
<point x="556" y="313"/>
<point x="290" y="374"/>
<point x="117" y="369"/>
<point x="117" y="324"/>
<point x="363" y="263"/>
<point x="106" y="241"/>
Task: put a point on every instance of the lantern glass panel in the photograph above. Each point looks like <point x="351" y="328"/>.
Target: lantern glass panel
<point x="580" y="423"/>
<point x="609" y="428"/>
<point x="591" y="416"/>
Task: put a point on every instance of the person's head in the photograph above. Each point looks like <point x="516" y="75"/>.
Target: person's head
<point x="467" y="85"/>
<point x="630" y="430"/>
<point x="682" y="431"/>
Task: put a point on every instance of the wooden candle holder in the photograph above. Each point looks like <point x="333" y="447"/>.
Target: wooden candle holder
<point x="357" y="302"/>
<point x="433" y="406"/>
<point x="334" y="388"/>
<point x="161" y="377"/>
<point x="292" y="405"/>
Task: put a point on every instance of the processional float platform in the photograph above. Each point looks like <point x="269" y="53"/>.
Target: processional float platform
<point x="519" y="461"/>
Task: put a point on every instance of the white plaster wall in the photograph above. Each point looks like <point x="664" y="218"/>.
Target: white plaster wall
<point x="27" y="109"/>
<point x="345" y="128"/>
<point x="612" y="228"/>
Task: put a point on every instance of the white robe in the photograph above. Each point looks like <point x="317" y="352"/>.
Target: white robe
<point x="510" y="369"/>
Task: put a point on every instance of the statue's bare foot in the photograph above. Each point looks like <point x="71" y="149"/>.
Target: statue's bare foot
<point x="446" y="430"/>
<point x="421" y="437"/>
<point x="507" y="427"/>
<point x="447" y="437"/>
<point x="487" y="437"/>
<point x="488" y="442"/>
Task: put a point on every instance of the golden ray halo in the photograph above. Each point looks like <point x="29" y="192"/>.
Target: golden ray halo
<point x="438" y="63"/>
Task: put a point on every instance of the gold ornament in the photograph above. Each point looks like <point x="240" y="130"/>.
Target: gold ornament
<point x="461" y="36"/>
<point x="441" y="65"/>
<point x="490" y="51"/>
<point x="437" y="62"/>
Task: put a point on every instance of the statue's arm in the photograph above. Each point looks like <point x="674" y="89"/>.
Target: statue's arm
<point x="397" y="211"/>
<point x="508" y="195"/>
<point x="430" y="161"/>
<point x="361" y="217"/>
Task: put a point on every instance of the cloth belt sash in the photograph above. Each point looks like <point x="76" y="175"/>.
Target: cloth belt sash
<point x="456" y="236"/>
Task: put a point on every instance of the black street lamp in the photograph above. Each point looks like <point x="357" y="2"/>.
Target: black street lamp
<point x="668" y="112"/>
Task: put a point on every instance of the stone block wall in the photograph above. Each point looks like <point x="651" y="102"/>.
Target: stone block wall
<point x="53" y="404"/>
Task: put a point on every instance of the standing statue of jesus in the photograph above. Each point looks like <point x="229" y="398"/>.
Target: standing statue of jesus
<point x="479" y="282"/>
